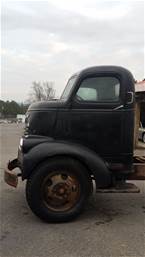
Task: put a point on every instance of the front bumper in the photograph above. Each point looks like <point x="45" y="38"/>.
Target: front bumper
<point x="10" y="177"/>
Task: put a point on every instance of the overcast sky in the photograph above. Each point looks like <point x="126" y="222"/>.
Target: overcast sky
<point x="54" y="39"/>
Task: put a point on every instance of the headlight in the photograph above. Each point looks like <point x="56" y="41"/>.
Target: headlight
<point x="21" y="142"/>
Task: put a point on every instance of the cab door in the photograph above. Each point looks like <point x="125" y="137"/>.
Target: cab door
<point x="96" y="116"/>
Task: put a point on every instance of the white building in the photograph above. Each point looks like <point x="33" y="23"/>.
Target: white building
<point x="21" y="118"/>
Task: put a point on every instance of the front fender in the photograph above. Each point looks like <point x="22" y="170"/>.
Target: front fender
<point x="42" y="151"/>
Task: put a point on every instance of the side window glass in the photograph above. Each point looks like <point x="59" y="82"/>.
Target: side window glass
<point x="99" y="89"/>
<point x="88" y="94"/>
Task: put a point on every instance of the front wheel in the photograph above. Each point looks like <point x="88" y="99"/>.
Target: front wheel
<point x="58" y="189"/>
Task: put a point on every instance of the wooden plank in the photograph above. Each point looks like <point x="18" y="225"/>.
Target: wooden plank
<point x="139" y="172"/>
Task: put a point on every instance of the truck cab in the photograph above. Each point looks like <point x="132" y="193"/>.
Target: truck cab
<point x="88" y="134"/>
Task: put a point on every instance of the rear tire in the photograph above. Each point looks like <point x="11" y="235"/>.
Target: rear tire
<point x="58" y="189"/>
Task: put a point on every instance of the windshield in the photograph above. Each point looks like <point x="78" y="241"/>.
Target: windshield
<point x="68" y="87"/>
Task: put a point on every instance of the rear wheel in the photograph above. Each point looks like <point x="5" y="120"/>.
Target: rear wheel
<point x="58" y="189"/>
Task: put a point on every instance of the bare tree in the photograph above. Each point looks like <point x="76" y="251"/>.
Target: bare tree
<point x="42" y="91"/>
<point x="48" y="90"/>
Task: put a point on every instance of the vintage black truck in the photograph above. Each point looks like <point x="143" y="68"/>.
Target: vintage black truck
<point x="89" y="134"/>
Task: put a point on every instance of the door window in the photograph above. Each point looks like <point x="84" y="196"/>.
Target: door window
<point x="99" y="89"/>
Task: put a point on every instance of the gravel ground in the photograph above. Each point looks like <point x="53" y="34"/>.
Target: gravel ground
<point x="113" y="225"/>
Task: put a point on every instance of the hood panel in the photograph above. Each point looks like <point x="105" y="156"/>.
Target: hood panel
<point x="39" y="106"/>
<point x="41" y="117"/>
<point x="41" y="122"/>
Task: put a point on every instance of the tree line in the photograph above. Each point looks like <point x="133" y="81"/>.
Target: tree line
<point x="11" y="108"/>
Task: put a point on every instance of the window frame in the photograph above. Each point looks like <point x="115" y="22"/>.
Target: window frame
<point x="98" y="104"/>
<point x="74" y="77"/>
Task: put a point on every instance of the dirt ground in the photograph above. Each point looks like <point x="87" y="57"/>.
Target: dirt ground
<point x="113" y="225"/>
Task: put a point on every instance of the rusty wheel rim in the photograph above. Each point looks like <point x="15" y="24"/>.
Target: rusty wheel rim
<point x="60" y="191"/>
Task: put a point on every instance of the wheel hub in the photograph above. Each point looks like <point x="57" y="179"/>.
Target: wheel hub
<point x="60" y="191"/>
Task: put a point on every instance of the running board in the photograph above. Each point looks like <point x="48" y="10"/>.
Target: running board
<point x="120" y="188"/>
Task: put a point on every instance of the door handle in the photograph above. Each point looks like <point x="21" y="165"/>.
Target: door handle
<point x="118" y="107"/>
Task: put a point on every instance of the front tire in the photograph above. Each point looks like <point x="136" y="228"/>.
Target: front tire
<point x="58" y="189"/>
